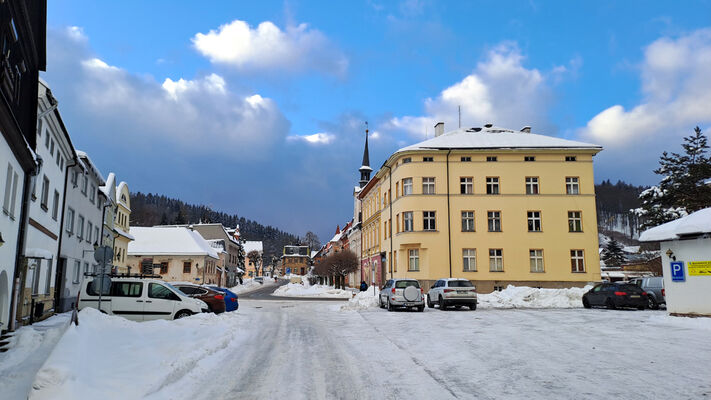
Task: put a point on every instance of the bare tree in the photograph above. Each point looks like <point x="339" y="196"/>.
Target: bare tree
<point x="337" y="266"/>
<point x="255" y="258"/>
<point x="311" y="240"/>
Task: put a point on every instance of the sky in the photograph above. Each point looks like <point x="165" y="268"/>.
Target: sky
<point x="259" y="108"/>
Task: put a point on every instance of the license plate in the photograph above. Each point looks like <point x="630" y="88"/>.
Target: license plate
<point x="634" y="296"/>
<point x="462" y="292"/>
<point x="409" y="304"/>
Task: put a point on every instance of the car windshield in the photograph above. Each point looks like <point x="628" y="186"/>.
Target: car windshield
<point x="404" y="284"/>
<point x="459" y="284"/>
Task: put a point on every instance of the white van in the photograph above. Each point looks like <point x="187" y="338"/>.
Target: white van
<point x="141" y="299"/>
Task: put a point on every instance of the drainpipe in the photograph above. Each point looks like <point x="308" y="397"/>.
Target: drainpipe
<point x="390" y="204"/>
<point x="449" y="218"/>
<point x="19" y="278"/>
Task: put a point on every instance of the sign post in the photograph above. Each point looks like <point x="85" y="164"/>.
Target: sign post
<point x="102" y="255"/>
<point x="677" y="271"/>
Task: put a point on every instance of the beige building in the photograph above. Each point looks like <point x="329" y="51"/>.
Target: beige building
<point x="491" y="205"/>
<point x="122" y="227"/>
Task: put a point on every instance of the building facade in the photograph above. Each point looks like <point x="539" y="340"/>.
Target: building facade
<point x="491" y="205"/>
<point x="122" y="226"/>
<point x="296" y="260"/>
<point x="252" y="264"/>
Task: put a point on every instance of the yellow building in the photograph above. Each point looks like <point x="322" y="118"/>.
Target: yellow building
<point x="122" y="227"/>
<point x="491" y="205"/>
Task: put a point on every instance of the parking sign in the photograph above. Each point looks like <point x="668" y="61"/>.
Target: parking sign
<point x="677" y="271"/>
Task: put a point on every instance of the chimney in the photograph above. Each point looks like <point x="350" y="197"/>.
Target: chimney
<point x="526" y="129"/>
<point x="439" y="128"/>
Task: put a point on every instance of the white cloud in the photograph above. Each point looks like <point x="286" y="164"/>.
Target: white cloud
<point x="500" y="91"/>
<point x="295" y="48"/>
<point x="676" y="94"/>
<point x="315" y="139"/>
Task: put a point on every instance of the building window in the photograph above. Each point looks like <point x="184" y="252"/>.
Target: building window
<point x="84" y="185"/>
<point x="531" y="185"/>
<point x="575" y="221"/>
<point x="45" y="192"/>
<point x="407" y="221"/>
<point x="36" y="265"/>
<point x="163" y="268"/>
<point x="570" y="158"/>
<point x="51" y="148"/>
<point x="86" y="268"/>
<point x="89" y="230"/>
<point x="534" y="221"/>
<point x="48" y="277"/>
<point x="96" y="234"/>
<point x="498" y="288"/>
<point x="186" y="267"/>
<point x="406" y="160"/>
<point x="46" y="140"/>
<point x="492" y="185"/>
<point x="427" y="159"/>
<point x="466" y="185"/>
<point x="55" y="205"/>
<point x="466" y="159"/>
<point x="529" y="158"/>
<point x="406" y="186"/>
<point x="92" y="194"/>
<point x="536" y="256"/>
<point x="75" y="178"/>
<point x="428" y="185"/>
<point x="571" y="185"/>
<point x="428" y="221"/>
<point x="80" y="226"/>
<point x="413" y="263"/>
<point x="8" y="205"/>
<point x="469" y="259"/>
<point x="494" y="221"/>
<point x="467" y="221"/>
<point x="577" y="260"/>
<point x="70" y="221"/>
<point x="491" y="159"/>
<point x="77" y="271"/>
<point x="496" y="260"/>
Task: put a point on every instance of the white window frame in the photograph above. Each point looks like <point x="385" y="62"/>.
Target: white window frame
<point x="80" y="226"/>
<point x="77" y="271"/>
<point x="494" y="221"/>
<point x="55" y="206"/>
<point x="36" y="271"/>
<point x="406" y="186"/>
<point x="575" y="220"/>
<point x="45" y="193"/>
<point x="84" y="185"/>
<point x="496" y="260"/>
<point x="468" y="222"/>
<point x="492" y="185"/>
<point x="429" y="221"/>
<point x="534" y="221"/>
<point x="89" y="231"/>
<point x="48" y="276"/>
<point x="572" y="185"/>
<point x="469" y="260"/>
<point x="69" y="224"/>
<point x="408" y="221"/>
<point x="536" y="260"/>
<point x="413" y="263"/>
<point x="577" y="261"/>
<point x="466" y="185"/>
<point x="92" y="193"/>
<point x="532" y="185"/>
<point x="428" y="185"/>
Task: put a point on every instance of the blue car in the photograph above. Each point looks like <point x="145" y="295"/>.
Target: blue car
<point x="231" y="298"/>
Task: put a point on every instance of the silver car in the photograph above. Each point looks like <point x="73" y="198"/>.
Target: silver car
<point x="654" y="286"/>
<point x="455" y="292"/>
<point x="402" y="293"/>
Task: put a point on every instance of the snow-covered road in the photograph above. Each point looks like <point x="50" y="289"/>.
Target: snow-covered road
<point x="311" y="350"/>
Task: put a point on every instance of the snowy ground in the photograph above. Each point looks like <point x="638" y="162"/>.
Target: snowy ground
<point x="310" y="350"/>
<point x="249" y="285"/>
<point x="305" y="290"/>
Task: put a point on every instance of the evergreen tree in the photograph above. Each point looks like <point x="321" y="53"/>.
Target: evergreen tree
<point x="164" y="219"/>
<point x="180" y="218"/>
<point x="613" y="256"/>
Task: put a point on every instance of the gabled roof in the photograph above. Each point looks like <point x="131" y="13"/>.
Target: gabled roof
<point x="251" y="245"/>
<point x="693" y="224"/>
<point x="169" y="241"/>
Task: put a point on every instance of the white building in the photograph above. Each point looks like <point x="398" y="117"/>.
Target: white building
<point x="686" y="262"/>
<point x="82" y="227"/>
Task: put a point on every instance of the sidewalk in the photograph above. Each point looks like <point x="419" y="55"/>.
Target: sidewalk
<point x="30" y="347"/>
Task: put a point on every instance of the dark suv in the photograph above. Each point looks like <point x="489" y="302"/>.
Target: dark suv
<point x="614" y="295"/>
<point x="215" y="299"/>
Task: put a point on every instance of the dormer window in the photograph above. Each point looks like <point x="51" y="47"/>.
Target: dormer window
<point x="427" y="159"/>
<point x="406" y="160"/>
<point x="491" y="159"/>
<point x="570" y="158"/>
<point x="529" y="158"/>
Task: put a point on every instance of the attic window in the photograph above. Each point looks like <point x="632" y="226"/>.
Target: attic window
<point x="427" y="159"/>
<point x="570" y="158"/>
<point x="529" y="158"/>
<point x="406" y="160"/>
<point x="466" y="159"/>
<point x="491" y="159"/>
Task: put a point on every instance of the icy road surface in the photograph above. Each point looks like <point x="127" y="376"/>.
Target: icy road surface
<point x="310" y="350"/>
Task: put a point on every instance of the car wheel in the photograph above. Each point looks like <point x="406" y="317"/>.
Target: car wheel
<point x="610" y="304"/>
<point x="429" y="303"/>
<point x="380" y="302"/>
<point x="652" y="304"/>
<point x="390" y="306"/>
<point x="472" y="307"/>
<point x="457" y="307"/>
<point x="441" y="304"/>
<point x="182" y="314"/>
<point x="586" y="303"/>
<point x="421" y="308"/>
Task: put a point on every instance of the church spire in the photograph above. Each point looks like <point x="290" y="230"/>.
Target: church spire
<point x="365" y="169"/>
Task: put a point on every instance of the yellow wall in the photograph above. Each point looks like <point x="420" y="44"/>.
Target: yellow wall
<point x="552" y="201"/>
<point x="122" y="221"/>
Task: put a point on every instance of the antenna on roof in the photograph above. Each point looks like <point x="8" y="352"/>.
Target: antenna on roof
<point x="460" y="116"/>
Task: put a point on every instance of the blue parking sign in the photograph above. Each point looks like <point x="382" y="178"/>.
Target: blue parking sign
<point x="677" y="271"/>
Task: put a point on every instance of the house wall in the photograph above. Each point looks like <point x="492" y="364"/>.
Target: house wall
<point x="175" y="267"/>
<point x="693" y="296"/>
<point x="122" y="222"/>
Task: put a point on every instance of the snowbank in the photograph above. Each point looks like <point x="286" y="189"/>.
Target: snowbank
<point x="528" y="297"/>
<point x="362" y="301"/>
<point x="249" y="285"/>
<point x="300" y="290"/>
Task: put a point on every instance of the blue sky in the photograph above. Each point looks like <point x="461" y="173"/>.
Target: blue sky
<point x="258" y="108"/>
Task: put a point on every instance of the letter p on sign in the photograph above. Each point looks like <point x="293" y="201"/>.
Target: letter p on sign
<point x="677" y="271"/>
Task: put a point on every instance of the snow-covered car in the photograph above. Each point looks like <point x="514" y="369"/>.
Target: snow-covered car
<point x="402" y="293"/>
<point x="140" y="299"/>
<point x="455" y="292"/>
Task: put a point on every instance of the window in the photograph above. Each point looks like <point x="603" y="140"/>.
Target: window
<point x="428" y="220"/>
<point x="8" y="205"/>
<point x="498" y="288"/>
<point x="84" y="184"/>
<point x="467" y="221"/>
<point x="536" y="256"/>
<point x="46" y="140"/>
<point x="469" y="259"/>
<point x="158" y="291"/>
<point x="413" y="263"/>
<point x="466" y="185"/>
<point x="427" y="159"/>
<point x="89" y="230"/>
<point x="69" y="224"/>
<point x="406" y="186"/>
<point x="492" y="185"/>
<point x="96" y="234"/>
<point x="51" y="148"/>
<point x="466" y="159"/>
<point x="59" y="158"/>
<point x="529" y="158"/>
<point x="80" y="226"/>
<point x="571" y="185"/>
<point x="406" y="160"/>
<point x="163" y="268"/>
<point x="45" y="192"/>
<point x="575" y="221"/>
<point x="534" y="221"/>
<point x="77" y="271"/>
<point x="570" y="158"/>
<point x="491" y="159"/>
<point x="494" y="221"/>
<point x="577" y="260"/>
<point x="36" y="265"/>
<point x="531" y="185"/>
<point x="496" y="260"/>
<point x="55" y="205"/>
<point x="428" y="185"/>
<point x="186" y="267"/>
<point x="92" y="194"/>
<point x="48" y="277"/>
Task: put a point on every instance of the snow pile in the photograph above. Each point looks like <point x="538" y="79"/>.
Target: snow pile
<point x="362" y="301"/>
<point x="528" y="297"/>
<point x="668" y="321"/>
<point x="111" y="357"/>
<point x="299" y="290"/>
<point x="249" y="285"/>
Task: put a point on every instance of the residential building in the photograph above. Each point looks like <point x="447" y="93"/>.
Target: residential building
<point x="82" y="222"/>
<point x="107" y="232"/>
<point x="491" y="205"/>
<point x="252" y="264"/>
<point x="23" y="34"/>
<point x="296" y="260"/>
<point x="121" y="228"/>
<point x="46" y="210"/>
<point x="177" y="254"/>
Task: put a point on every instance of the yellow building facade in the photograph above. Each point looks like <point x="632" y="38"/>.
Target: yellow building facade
<point x="491" y="205"/>
<point x="121" y="228"/>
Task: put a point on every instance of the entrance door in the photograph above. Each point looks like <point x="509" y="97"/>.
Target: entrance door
<point x="59" y="283"/>
<point x="160" y="302"/>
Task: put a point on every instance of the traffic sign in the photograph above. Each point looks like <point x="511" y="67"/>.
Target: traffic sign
<point x="677" y="271"/>
<point x="103" y="254"/>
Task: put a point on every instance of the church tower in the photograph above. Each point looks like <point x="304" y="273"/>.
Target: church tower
<point x="365" y="169"/>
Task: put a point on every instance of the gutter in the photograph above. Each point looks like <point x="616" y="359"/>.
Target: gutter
<point x="449" y="219"/>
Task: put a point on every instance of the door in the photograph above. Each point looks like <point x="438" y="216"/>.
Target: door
<point x="59" y="283"/>
<point x="160" y="302"/>
<point x="595" y="296"/>
<point x="127" y="300"/>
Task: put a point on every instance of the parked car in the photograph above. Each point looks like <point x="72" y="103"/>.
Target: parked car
<point x="654" y="286"/>
<point x="402" y="293"/>
<point x="231" y="298"/>
<point x="140" y="299"/>
<point x="215" y="299"/>
<point x="455" y="292"/>
<point x="259" y="279"/>
<point x="614" y="295"/>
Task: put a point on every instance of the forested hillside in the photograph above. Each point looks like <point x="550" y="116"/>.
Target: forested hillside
<point x="153" y="209"/>
<point x="614" y="202"/>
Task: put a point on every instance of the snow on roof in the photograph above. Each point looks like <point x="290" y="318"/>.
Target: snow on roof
<point x="109" y="189"/>
<point x="169" y="241"/>
<point x="251" y="245"/>
<point x="89" y="164"/>
<point x="693" y="224"/>
<point x="32" y="252"/>
<point x="496" y="138"/>
<point x="124" y="233"/>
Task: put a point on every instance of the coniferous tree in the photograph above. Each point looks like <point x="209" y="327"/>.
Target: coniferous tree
<point x="613" y="255"/>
